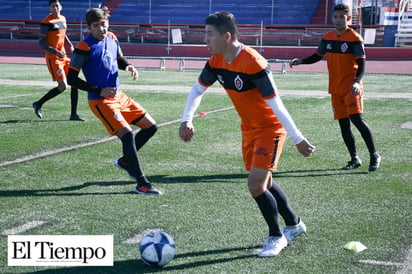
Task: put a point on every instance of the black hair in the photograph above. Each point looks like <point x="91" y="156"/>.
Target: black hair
<point x="96" y="14"/>
<point x="54" y="1"/>
<point x="343" y="7"/>
<point x="223" y="22"/>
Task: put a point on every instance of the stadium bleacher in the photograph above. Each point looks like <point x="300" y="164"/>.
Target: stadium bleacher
<point x="163" y="11"/>
<point x="74" y="10"/>
<point x="194" y="12"/>
<point x="285" y="23"/>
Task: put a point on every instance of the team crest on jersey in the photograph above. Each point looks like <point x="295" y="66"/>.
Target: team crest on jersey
<point x="344" y="47"/>
<point x="329" y="46"/>
<point x="59" y="72"/>
<point x="220" y="79"/>
<point x="238" y="82"/>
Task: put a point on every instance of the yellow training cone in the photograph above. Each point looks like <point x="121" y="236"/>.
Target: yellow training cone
<point x="355" y="246"/>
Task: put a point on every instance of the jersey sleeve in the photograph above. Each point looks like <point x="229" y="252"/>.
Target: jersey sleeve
<point x="321" y="48"/>
<point x="80" y="55"/>
<point x="264" y="82"/>
<point x="207" y="77"/>
<point x="44" y="30"/>
<point x="358" y="49"/>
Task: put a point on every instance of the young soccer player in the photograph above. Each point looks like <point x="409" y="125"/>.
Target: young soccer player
<point x="345" y="55"/>
<point x="53" y="38"/>
<point x="247" y="79"/>
<point x="100" y="57"/>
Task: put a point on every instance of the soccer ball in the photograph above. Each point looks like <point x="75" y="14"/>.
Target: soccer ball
<point x="157" y="248"/>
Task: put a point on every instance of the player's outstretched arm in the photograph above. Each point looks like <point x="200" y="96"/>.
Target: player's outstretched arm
<point x="307" y="60"/>
<point x="295" y="62"/>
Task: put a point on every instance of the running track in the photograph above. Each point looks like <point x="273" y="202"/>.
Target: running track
<point x="372" y="66"/>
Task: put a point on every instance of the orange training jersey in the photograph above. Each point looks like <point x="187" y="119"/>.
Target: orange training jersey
<point x="248" y="82"/>
<point x="341" y="53"/>
<point x="54" y="29"/>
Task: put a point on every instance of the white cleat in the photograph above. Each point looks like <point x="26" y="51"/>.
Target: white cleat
<point x="291" y="232"/>
<point x="273" y="246"/>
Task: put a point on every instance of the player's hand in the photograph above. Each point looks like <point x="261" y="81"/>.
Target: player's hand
<point x="355" y="89"/>
<point x="186" y="131"/>
<point x="109" y="92"/>
<point x="133" y="70"/>
<point x="294" y="62"/>
<point x="305" y="148"/>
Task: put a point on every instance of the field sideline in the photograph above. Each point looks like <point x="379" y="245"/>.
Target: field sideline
<point x="202" y="257"/>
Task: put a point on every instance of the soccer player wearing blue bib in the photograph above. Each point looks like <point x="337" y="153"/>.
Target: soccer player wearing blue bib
<point x="100" y="57"/>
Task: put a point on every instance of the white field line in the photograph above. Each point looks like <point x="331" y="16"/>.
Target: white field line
<point x="47" y="153"/>
<point x="407" y="265"/>
<point x="213" y="89"/>
<point x="373" y="262"/>
<point x="23" y="228"/>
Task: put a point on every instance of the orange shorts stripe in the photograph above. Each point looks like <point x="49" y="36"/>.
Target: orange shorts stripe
<point x="262" y="148"/>
<point x="346" y="104"/>
<point x="116" y="113"/>
<point x="58" y="68"/>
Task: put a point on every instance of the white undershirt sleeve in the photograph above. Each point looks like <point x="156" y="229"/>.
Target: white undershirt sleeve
<point x="193" y="101"/>
<point x="284" y="118"/>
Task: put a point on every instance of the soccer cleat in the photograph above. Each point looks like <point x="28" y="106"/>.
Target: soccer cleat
<point x="75" y="117"/>
<point x="147" y="189"/>
<point x="122" y="164"/>
<point x="37" y="110"/>
<point x="375" y="162"/>
<point x="273" y="246"/>
<point x="291" y="232"/>
<point x="354" y="163"/>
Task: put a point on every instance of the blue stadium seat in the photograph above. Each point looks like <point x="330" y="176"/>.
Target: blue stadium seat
<point x="74" y="10"/>
<point x="284" y="12"/>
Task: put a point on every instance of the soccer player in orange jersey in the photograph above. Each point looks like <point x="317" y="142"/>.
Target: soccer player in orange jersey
<point x="53" y="38"/>
<point x="265" y="122"/>
<point x="345" y="55"/>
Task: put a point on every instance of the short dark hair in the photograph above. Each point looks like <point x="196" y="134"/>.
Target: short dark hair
<point x="54" y="1"/>
<point x="343" y="7"/>
<point x="96" y="14"/>
<point x="223" y="22"/>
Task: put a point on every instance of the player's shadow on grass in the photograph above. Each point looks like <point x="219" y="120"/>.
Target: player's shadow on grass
<point x="30" y="121"/>
<point x="317" y="172"/>
<point x="78" y="190"/>
<point x="228" y="177"/>
<point x="71" y="190"/>
<point x="195" y="260"/>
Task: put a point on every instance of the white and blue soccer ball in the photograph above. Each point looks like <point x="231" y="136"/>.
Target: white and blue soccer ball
<point x="157" y="248"/>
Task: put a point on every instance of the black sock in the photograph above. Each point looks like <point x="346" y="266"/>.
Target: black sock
<point x="74" y="98"/>
<point x="348" y="136"/>
<point x="144" y="135"/>
<point x="365" y="131"/>
<point x="49" y="95"/>
<point x="130" y="155"/>
<point x="284" y="207"/>
<point x="268" y="207"/>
